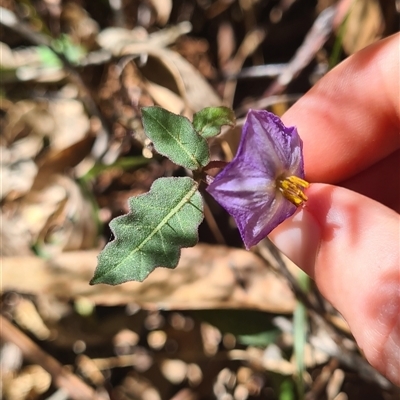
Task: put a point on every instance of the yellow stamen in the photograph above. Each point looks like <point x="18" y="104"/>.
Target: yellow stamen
<point x="292" y="188"/>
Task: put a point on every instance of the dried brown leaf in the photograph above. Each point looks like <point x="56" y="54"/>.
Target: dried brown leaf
<point x="165" y="98"/>
<point x="206" y="277"/>
<point x="364" y="25"/>
<point x="168" y="68"/>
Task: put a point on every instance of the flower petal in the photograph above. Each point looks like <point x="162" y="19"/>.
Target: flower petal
<point x="247" y="187"/>
<point x="268" y="142"/>
<point x="267" y="217"/>
<point x="253" y="202"/>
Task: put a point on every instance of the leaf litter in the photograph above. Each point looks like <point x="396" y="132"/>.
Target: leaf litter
<point x="220" y="326"/>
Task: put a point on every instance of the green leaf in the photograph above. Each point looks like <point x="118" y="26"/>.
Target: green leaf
<point x="208" y="121"/>
<point x="151" y="235"/>
<point x="286" y="390"/>
<point x="47" y="57"/>
<point x="71" y="51"/>
<point x="251" y="327"/>
<point x="261" y="339"/>
<point x="174" y="137"/>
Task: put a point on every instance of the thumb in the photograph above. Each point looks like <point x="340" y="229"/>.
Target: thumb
<point x="350" y="245"/>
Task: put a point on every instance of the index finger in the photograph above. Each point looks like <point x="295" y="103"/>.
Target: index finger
<point x="350" y="119"/>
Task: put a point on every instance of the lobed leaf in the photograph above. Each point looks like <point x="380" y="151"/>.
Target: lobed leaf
<point x="151" y="235"/>
<point x="174" y="137"/>
<point x="209" y="121"/>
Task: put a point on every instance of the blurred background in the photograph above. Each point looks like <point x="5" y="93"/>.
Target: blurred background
<point x="226" y="324"/>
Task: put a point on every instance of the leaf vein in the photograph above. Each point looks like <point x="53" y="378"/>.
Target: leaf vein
<point x="194" y="159"/>
<point x="186" y="199"/>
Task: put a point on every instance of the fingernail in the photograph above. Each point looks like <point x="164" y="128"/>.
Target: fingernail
<point x="299" y="238"/>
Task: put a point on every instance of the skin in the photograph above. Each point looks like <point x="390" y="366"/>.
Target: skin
<point x="347" y="237"/>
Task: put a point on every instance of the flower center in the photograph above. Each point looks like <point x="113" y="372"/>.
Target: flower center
<point x="292" y="189"/>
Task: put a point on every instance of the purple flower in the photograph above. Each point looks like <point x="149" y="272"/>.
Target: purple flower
<point x="264" y="183"/>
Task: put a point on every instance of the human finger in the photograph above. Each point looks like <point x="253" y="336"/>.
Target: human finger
<point x="380" y="182"/>
<point x="350" y="119"/>
<point x="350" y="245"/>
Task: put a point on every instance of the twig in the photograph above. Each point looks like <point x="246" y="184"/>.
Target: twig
<point x="354" y="361"/>
<point x="266" y="102"/>
<point x="62" y="378"/>
<point x="322" y="380"/>
<point x="257" y="71"/>
<point x="212" y="224"/>
<point x="266" y="246"/>
<point x="250" y="43"/>
<point x="262" y="250"/>
<point x="313" y="42"/>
